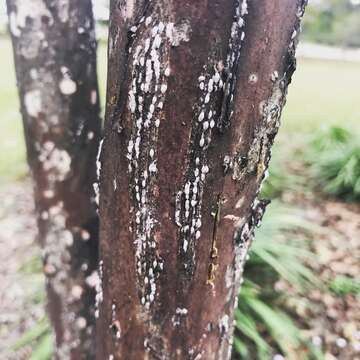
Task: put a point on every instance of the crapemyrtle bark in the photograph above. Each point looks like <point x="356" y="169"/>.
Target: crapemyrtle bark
<point x="55" y="57"/>
<point x="194" y="97"/>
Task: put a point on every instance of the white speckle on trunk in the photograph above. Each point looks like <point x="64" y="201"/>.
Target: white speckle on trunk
<point x="93" y="97"/>
<point x="178" y="33"/>
<point x="33" y="103"/>
<point x="55" y="161"/>
<point x="67" y="86"/>
<point x="14" y="28"/>
<point x="63" y="10"/>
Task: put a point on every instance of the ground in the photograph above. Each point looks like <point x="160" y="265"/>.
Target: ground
<point x="19" y="289"/>
<point x="332" y="320"/>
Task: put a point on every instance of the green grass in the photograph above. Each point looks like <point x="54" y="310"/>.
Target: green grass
<point x="334" y="158"/>
<point x="343" y="285"/>
<point x="322" y="92"/>
<point x="12" y="148"/>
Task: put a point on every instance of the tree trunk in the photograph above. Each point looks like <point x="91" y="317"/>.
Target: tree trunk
<point x="55" y="57"/>
<point x="195" y="93"/>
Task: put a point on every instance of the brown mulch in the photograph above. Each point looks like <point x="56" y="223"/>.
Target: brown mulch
<point x="333" y="319"/>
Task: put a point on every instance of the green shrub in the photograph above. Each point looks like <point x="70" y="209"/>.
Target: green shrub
<point x="333" y="22"/>
<point x="262" y="325"/>
<point x="344" y="285"/>
<point x="334" y="156"/>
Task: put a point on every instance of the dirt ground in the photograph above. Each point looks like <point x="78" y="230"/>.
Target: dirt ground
<point x="332" y="320"/>
<point x="19" y="288"/>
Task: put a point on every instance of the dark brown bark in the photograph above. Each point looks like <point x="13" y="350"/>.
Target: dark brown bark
<point x="195" y="93"/>
<point x="55" y="57"/>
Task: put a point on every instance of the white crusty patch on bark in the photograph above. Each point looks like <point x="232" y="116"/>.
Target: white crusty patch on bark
<point x="211" y="85"/>
<point x="67" y="85"/>
<point x="189" y="199"/>
<point x="96" y="185"/>
<point x="178" y="33"/>
<point x="95" y="281"/>
<point x="56" y="162"/>
<point x="130" y="5"/>
<point x="63" y="7"/>
<point x="56" y="255"/>
<point x="147" y="94"/>
<point x="232" y="61"/>
<point x="30" y="41"/>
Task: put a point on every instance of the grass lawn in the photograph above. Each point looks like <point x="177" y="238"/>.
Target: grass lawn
<point x="322" y="92"/>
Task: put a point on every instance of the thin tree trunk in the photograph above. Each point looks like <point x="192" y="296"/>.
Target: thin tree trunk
<point x="195" y="93"/>
<point x="55" y="57"/>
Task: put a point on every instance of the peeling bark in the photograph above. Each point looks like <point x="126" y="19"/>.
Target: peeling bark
<point x="195" y="93"/>
<point x="55" y="57"/>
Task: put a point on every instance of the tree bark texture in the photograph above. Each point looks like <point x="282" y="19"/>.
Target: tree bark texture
<point x="195" y="93"/>
<point x="55" y="57"/>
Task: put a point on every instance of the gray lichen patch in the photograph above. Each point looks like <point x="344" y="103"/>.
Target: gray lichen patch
<point x="256" y="160"/>
<point x="29" y="11"/>
<point x="57" y="258"/>
<point x="56" y="163"/>
<point x="59" y="105"/>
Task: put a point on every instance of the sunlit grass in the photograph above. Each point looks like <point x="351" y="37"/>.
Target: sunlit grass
<point x="12" y="148"/>
<point x="322" y="92"/>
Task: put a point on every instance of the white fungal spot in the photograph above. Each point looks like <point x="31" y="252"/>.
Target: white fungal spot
<point x="14" y="29"/>
<point x="253" y="78"/>
<point x="67" y="86"/>
<point x="274" y="76"/>
<point x="185" y="245"/>
<point x="55" y="161"/>
<point x="49" y="194"/>
<point x="148" y="20"/>
<point x="152" y="167"/>
<point x="81" y="323"/>
<point x="33" y="102"/>
<point x="163" y="88"/>
<point x="85" y="235"/>
<point x="77" y="291"/>
<point x="181" y="311"/>
<point x="178" y="33"/>
<point x="93" y="97"/>
<point x="201" y="116"/>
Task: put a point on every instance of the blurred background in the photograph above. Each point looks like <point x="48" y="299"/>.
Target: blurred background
<point x="300" y="298"/>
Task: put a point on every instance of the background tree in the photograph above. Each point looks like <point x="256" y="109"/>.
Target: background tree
<point x="195" y="93"/>
<point x="333" y="22"/>
<point x="55" y="56"/>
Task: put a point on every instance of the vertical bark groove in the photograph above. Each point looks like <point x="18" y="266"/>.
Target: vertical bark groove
<point x="195" y="94"/>
<point x="55" y="57"/>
